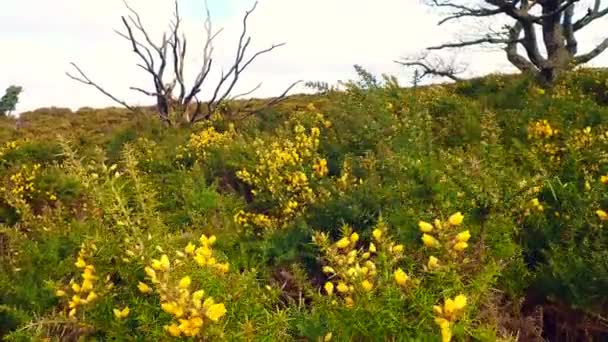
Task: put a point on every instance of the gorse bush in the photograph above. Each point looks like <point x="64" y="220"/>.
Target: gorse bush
<point x="440" y="213"/>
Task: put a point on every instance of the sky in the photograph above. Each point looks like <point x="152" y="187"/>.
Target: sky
<point x="324" y="39"/>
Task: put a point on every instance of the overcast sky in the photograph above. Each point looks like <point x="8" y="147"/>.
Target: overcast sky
<point x="325" y="38"/>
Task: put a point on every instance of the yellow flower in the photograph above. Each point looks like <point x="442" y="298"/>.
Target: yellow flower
<point x="190" y="248"/>
<point x="604" y="179"/>
<point x="161" y="265"/>
<point x="460" y="302"/>
<point x="80" y="263"/>
<point x="437" y="224"/>
<point x="401" y="277"/>
<point x="449" y="307"/>
<point x="144" y="288"/>
<point x="349" y="302"/>
<point x="59" y="293"/>
<point x="87" y="285"/>
<point x="173" y="330"/>
<point x="354" y="237"/>
<point x="456" y="219"/>
<point x="377" y="233"/>
<point x="425" y="227"/>
<point x="463" y="236"/>
<point x="429" y="240"/>
<point x="91" y="297"/>
<point x="460" y="246"/>
<point x="343" y="243"/>
<point x="372" y="247"/>
<point x="121" y="313"/>
<point x="184" y="283"/>
<point x="169" y="307"/>
<point x="602" y="215"/>
<point x="329" y="288"/>
<point x="342" y="288"/>
<point x="397" y="249"/>
<point x="445" y="328"/>
<point x="438" y="310"/>
<point x="366" y="285"/>
<point x="214" y="311"/>
<point x="433" y="262"/>
<point x="150" y="272"/>
<point x="328" y="270"/>
<point x="76" y="288"/>
<point x="327" y="337"/>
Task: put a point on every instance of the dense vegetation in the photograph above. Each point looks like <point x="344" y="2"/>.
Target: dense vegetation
<point x="471" y="211"/>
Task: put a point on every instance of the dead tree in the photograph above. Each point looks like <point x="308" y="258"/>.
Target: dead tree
<point x="556" y="21"/>
<point x="427" y="65"/>
<point x="176" y="103"/>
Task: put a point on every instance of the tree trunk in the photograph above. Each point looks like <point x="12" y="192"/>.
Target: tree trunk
<point x="558" y="56"/>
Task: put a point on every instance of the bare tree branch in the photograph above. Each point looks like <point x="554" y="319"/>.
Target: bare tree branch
<point x="486" y="40"/>
<point x="248" y="111"/>
<point x="170" y="56"/>
<point x="433" y="66"/>
<point x="554" y="18"/>
<point x="593" y="53"/>
<point x="83" y="78"/>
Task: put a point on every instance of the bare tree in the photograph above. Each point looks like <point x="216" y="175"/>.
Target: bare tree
<point x="175" y="102"/>
<point x="557" y="21"/>
<point x="433" y="65"/>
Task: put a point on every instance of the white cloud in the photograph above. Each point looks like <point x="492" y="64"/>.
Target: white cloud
<point x="324" y="39"/>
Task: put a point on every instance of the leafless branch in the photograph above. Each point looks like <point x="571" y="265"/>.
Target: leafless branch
<point x="486" y="40"/>
<point x="559" y="44"/>
<point x="593" y="53"/>
<point x="250" y="110"/>
<point x="170" y="54"/>
<point x="433" y="66"/>
<point x="83" y="78"/>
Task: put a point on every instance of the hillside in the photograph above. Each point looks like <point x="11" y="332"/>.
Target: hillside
<point x="473" y="211"/>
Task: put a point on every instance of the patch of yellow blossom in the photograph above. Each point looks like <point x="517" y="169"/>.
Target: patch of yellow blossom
<point x="441" y="234"/>
<point x="7" y="147"/>
<point x="286" y="173"/>
<point x="534" y="205"/>
<point x="581" y="139"/>
<point x="201" y="142"/>
<point x="22" y="183"/>
<point x="190" y="309"/>
<point x="352" y="267"/>
<point x="446" y="315"/>
<point x="543" y="135"/>
<point x="82" y="293"/>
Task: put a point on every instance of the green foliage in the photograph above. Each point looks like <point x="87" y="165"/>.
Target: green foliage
<point x="122" y="193"/>
<point x="9" y="100"/>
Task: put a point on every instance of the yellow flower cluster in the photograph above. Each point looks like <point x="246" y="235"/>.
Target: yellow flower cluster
<point x="187" y="308"/>
<point x="22" y="182"/>
<point x="432" y="234"/>
<point x="7" y="147"/>
<point x="285" y="174"/>
<point x="353" y="270"/>
<point x="581" y="139"/>
<point x="201" y="142"/>
<point x="541" y="133"/>
<point x="446" y="315"/>
<point x="203" y="254"/>
<point x="86" y="292"/>
<point x="541" y="129"/>
<point x="602" y="215"/>
<point x="534" y="205"/>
